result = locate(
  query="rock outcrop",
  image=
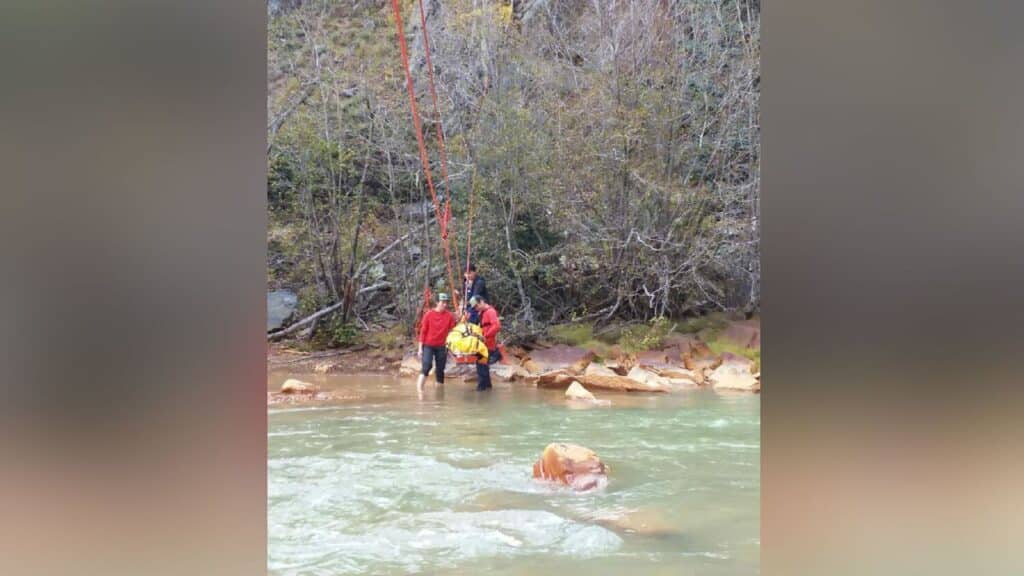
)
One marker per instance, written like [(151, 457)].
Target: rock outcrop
[(571, 465), (281, 305), (745, 333), (647, 377), (555, 379), (678, 378), (734, 373), (559, 357), (595, 369), (621, 383), (508, 372)]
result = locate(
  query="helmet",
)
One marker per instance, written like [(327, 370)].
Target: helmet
[(442, 297)]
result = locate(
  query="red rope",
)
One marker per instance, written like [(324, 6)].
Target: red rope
[(442, 221), (439, 132)]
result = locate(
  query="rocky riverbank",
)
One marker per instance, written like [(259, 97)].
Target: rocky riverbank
[(681, 362)]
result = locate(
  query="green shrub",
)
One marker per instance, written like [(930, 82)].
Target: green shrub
[(572, 334), (708, 324), (389, 339), (645, 336), (338, 334)]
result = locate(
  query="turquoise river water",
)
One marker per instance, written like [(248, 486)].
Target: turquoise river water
[(383, 481)]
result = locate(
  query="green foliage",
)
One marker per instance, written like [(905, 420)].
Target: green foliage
[(341, 334), (309, 300), (572, 334), (709, 324), (388, 339), (646, 336), (609, 172)]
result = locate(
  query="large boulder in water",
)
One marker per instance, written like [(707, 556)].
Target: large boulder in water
[(508, 372), (579, 398), (281, 305), (679, 378), (576, 391), (411, 366), (646, 377), (571, 465), (621, 383), (560, 357), (555, 379)]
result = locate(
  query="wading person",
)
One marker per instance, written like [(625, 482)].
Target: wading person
[(474, 286), (490, 325), (434, 328)]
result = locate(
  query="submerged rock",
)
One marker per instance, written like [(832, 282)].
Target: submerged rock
[(572, 465), (643, 522)]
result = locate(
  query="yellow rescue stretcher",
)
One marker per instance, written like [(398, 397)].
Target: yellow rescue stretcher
[(466, 343)]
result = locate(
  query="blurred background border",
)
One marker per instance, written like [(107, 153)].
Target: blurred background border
[(133, 154)]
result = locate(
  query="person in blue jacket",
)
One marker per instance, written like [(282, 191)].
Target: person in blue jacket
[(474, 286)]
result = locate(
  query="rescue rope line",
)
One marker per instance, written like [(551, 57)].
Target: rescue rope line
[(442, 218)]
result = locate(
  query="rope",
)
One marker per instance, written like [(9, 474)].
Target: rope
[(438, 124), (442, 219)]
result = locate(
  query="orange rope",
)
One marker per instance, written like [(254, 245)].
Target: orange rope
[(438, 124), (442, 219)]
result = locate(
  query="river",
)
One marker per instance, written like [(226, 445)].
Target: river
[(384, 481)]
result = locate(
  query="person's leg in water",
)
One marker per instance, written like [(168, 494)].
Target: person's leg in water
[(483, 376), (425, 365), (440, 359)]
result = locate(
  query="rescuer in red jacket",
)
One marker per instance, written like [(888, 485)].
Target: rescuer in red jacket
[(434, 329), (491, 325)]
